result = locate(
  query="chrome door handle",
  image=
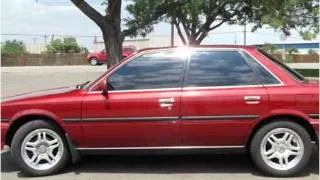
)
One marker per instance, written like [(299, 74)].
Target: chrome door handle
[(252, 99), (166, 103)]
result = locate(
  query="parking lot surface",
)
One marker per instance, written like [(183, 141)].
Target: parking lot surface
[(182, 167)]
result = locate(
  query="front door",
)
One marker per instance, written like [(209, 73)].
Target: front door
[(141, 107), (221, 99)]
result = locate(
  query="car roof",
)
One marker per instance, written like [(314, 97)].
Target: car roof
[(201, 46)]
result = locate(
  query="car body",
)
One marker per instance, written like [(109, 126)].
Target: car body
[(212, 98), (98, 58)]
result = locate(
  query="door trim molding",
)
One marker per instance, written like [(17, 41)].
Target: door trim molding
[(159, 147), (228, 117), (170, 118), (121, 119)]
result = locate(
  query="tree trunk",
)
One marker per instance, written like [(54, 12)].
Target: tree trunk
[(110, 25), (193, 41), (113, 46)]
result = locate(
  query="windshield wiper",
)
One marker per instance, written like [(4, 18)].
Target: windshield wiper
[(80, 86)]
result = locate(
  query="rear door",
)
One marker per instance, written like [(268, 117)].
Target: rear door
[(222, 97)]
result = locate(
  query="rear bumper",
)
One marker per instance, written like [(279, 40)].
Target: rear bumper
[(4, 130)]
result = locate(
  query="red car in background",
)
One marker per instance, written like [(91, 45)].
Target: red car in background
[(98, 58)]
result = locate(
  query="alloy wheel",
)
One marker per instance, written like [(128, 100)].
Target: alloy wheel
[(282, 149), (93, 62), (42, 149)]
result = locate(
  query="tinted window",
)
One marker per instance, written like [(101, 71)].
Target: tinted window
[(219, 68), (264, 76), (292, 72), (149, 71)]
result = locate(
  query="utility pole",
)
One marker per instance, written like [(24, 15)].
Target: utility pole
[(52, 37), (34, 40), (245, 32), (172, 33), (283, 37), (45, 39)]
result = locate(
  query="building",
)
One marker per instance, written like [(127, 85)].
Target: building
[(140, 42), (302, 47)]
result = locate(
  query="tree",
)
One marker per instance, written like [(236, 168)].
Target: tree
[(66, 45), (13, 47), (313, 52), (301, 15), (110, 26), (292, 51), (270, 48), (194, 19)]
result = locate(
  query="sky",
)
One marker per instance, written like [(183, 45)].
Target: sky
[(61, 17)]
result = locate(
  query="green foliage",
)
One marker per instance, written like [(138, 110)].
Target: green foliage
[(146, 13), (84, 50), (301, 15), (65, 45), (193, 19), (292, 50), (270, 48), (13, 47), (313, 52), (308, 72)]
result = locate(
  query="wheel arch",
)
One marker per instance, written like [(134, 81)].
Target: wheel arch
[(20, 121), (92, 57), (293, 118)]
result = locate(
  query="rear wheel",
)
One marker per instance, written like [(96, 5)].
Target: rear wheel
[(281, 148), (94, 61), (39, 148)]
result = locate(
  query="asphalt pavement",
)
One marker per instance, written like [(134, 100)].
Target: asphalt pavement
[(18, 80)]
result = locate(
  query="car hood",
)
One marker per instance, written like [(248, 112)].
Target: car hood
[(34, 94), (93, 54)]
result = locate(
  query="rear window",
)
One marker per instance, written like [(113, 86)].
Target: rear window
[(283, 66)]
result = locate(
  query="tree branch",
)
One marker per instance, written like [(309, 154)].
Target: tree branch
[(147, 20), (89, 11), (186, 30), (180, 32)]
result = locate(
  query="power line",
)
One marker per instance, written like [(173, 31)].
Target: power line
[(43, 35)]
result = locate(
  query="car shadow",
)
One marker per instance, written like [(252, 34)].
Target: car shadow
[(160, 164)]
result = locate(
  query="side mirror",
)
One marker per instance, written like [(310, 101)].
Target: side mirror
[(103, 86)]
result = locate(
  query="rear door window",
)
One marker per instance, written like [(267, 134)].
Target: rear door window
[(219, 68)]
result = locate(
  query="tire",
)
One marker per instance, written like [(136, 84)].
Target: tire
[(294, 152), (94, 61), (27, 144)]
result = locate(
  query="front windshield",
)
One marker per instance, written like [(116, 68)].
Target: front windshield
[(283, 66)]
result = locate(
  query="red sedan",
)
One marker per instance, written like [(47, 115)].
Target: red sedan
[(199, 99), (98, 58)]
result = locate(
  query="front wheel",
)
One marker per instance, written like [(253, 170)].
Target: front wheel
[(39, 148), (281, 148)]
